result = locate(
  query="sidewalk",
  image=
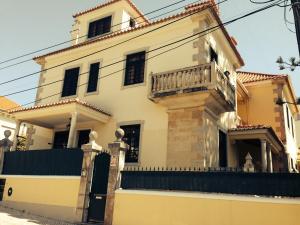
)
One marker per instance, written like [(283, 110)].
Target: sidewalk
[(10, 216)]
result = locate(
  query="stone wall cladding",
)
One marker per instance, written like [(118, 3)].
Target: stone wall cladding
[(279, 119), (186, 138)]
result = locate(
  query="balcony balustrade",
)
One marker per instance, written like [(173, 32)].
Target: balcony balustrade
[(201, 78)]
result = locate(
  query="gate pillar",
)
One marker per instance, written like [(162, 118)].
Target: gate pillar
[(90, 150), (117, 150)]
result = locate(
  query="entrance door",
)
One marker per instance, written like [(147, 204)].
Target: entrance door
[(99, 188), (83, 137), (60, 140), (222, 149)]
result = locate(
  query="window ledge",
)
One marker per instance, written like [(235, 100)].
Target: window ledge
[(133, 85)]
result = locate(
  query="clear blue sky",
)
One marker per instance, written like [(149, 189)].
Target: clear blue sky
[(33, 24)]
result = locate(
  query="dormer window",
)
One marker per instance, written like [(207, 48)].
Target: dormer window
[(99, 27), (131, 22)]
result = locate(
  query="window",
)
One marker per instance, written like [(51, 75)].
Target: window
[(131, 22), (213, 55), (70, 82), (135, 68), (99, 27), (222, 149), (132, 138), (287, 116), (93, 77)]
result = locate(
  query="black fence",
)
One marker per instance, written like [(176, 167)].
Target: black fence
[(264, 184), (58, 162)]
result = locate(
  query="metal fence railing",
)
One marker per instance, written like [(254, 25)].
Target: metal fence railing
[(55, 162), (264, 184)]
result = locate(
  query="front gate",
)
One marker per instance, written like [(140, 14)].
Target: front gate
[(99, 188)]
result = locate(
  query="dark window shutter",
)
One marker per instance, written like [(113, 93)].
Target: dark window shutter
[(132, 138), (70, 82), (93, 77), (135, 68), (99, 27)]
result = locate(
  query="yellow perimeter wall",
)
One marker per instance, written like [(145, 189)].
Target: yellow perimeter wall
[(49, 196), (174, 208)]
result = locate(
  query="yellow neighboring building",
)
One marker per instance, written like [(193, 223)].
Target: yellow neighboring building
[(7, 121), (298, 140), (261, 100)]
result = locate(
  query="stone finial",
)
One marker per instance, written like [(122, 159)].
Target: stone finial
[(92, 143), (248, 166), (119, 134)]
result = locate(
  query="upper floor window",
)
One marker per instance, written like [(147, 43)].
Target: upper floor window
[(99, 27), (70, 82), (93, 77), (135, 68), (213, 55), (132, 138)]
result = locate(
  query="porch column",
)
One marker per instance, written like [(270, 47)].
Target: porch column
[(72, 132), (15, 141), (270, 163), (263, 155)]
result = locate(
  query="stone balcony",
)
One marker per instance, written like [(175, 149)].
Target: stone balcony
[(201, 85)]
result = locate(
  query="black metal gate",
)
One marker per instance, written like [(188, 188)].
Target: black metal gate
[(99, 188)]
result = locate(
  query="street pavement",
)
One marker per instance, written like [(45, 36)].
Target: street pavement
[(10, 216)]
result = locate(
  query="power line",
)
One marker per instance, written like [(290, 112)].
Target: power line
[(204, 32), (65, 42), (112, 46)]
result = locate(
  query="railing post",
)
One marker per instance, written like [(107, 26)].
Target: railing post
[(90, 150), (5, 145), (117, 151)]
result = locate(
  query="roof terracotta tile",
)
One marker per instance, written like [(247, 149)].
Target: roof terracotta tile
[(201, 6), (250, 127), (248, 77), (62, 102), (6, 104), (110, 3)]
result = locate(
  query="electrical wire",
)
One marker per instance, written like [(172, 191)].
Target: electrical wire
[(203, 33), (65, 42), (112, 46)]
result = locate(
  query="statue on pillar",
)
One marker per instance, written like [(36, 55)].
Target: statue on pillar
[(5, 145), (248, 166)]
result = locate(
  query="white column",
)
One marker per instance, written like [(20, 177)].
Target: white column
[(263, 155), (72, 132), (18, 125), (270, 163)]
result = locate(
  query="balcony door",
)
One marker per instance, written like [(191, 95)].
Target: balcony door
[(222, 149)]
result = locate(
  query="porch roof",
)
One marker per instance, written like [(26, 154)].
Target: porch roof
[(262, 132), (57, 113)]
